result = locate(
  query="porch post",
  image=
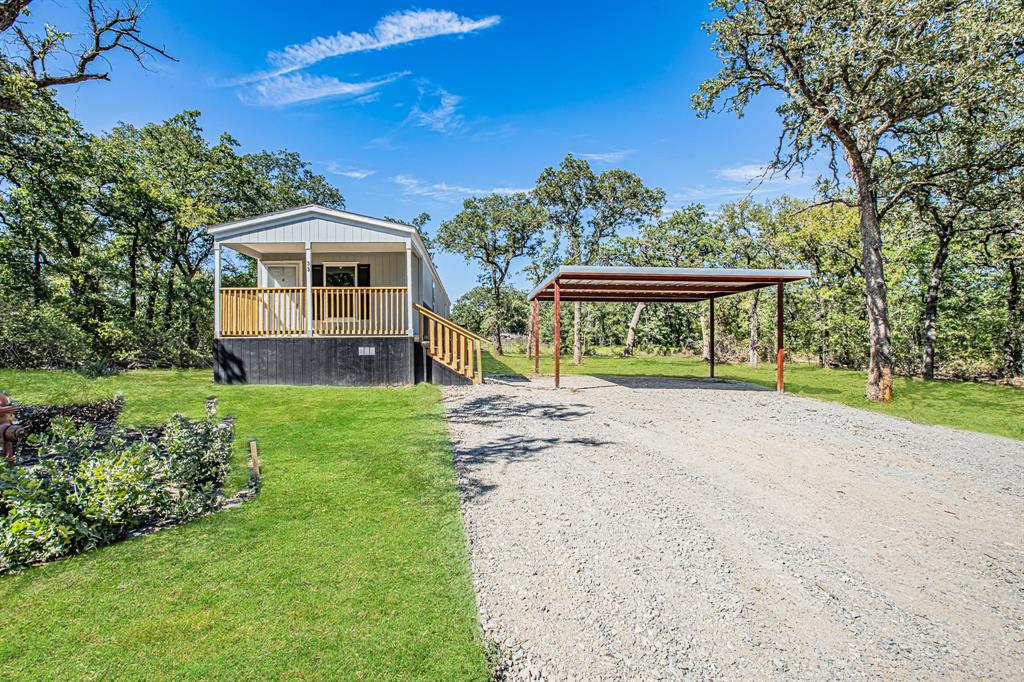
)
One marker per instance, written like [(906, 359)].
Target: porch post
[(408, 283), (780, 361), (216, 290), (309, 289), (711, 334), (558, 331)]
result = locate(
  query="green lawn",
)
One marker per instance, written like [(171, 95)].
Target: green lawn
[(974, 407), (350, 564)]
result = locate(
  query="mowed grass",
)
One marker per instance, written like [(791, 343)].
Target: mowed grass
[(351, 563), (979, 407)]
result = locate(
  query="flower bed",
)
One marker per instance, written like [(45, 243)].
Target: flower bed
[(83, 485)]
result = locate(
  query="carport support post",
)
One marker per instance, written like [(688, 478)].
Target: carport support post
[(536, 337), (780, 361), (558, 330), (711, 344)]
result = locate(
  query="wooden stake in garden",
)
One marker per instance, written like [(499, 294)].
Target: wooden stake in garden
[(254, 462)]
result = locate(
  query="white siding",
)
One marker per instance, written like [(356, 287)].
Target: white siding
[(314, 230)]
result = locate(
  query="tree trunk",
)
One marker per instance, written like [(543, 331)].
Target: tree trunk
[(824, 336), (133, 276), (498, 350), (577, 333), (705, 353), (169, 297), (880, 366), (37, 272), (631, 334), (152, 290), (931, 303), (1013, 339), (755, 328)]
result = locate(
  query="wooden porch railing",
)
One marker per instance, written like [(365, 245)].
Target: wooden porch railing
[(263, 311), (337, 311), (453, 346), (359, 310)]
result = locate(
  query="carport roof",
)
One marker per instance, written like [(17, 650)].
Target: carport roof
[(667, 285)]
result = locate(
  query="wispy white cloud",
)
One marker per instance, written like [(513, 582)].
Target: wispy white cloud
[(300, 87), (746, 172), (442, 191), (383, 143), (366, 99), (606, 157), (442, 118), (393, 29), (709, 192), (355, 173), (739, 181), (281, 84)]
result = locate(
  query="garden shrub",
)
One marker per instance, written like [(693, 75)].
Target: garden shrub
[(90, 487)]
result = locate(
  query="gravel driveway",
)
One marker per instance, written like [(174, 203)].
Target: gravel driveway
[(662, 528)]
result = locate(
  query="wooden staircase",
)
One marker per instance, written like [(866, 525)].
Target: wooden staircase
[(453, 346)]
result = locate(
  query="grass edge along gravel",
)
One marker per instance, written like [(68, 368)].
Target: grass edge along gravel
[(985, 408)]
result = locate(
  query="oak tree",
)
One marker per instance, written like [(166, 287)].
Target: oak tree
[(853, 75)]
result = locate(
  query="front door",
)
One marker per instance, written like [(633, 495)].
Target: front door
[(283, 309)]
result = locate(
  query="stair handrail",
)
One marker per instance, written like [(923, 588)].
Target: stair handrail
[(462, 356), (444, 320)]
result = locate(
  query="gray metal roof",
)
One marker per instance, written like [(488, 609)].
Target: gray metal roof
[(670, 285)]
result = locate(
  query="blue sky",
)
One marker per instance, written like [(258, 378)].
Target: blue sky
[(411, 108)]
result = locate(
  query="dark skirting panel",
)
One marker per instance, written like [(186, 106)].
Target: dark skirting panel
[(366, 361)]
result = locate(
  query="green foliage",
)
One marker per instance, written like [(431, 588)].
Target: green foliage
[(825, 316), (494, 231), (39, 335), (915, 95), (475, 309), (103, 237), (86, 491), (197, 455)]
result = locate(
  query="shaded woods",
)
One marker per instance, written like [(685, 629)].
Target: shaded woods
[(960, 320), (103, 251)]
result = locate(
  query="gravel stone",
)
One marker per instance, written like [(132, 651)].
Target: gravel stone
[(645, 528)]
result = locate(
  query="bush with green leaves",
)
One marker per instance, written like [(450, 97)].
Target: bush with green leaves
[(36, 335), (90, 488)]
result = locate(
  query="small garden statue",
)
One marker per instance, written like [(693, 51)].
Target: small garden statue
[(10, 432)]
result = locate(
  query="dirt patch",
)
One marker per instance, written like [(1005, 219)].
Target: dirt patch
[(662, 528)]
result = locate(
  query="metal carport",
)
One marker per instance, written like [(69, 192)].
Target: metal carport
[(615, 284)]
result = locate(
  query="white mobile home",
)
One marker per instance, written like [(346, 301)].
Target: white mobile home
[(340, 298)]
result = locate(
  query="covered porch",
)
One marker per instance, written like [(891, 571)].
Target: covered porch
[(319, 289)]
